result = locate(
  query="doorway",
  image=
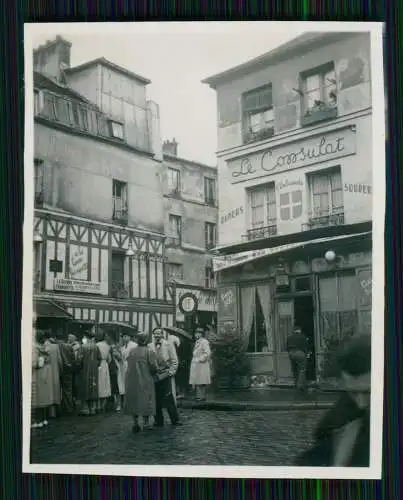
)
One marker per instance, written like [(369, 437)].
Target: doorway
[(303, 317)]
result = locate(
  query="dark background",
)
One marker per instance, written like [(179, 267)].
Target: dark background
[(15, 485)]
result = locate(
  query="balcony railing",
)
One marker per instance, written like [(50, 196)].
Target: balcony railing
[(173, 241), (120, 212), (324, 221), (260, 233)]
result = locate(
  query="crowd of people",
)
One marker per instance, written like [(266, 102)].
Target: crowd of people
[(138, 373)]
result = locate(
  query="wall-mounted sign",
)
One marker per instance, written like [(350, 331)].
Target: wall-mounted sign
[(55, 266), (188, 303), (78, 265), (309, 151), (80, 286), (233, 214)]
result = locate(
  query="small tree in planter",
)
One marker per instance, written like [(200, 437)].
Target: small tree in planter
[(231, 365)]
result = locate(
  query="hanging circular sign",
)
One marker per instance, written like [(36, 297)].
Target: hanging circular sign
[(188, 303)]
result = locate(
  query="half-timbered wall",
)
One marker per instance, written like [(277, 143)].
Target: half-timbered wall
[(76, 250)]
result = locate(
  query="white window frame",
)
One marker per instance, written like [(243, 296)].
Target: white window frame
[(260, 110), (332, 210), (266, 221), (178, 226), (320, 72), (210, 235), (210, 189), (174, 180), (121, 201)]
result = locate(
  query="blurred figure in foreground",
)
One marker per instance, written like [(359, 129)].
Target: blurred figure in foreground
[(140, 391), (342, 437)]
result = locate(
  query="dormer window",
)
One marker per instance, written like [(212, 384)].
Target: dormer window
[(117, 130)]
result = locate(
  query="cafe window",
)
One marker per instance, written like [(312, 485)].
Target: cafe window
[(326, 193), (256, 320), (258, 114), (338, 305)]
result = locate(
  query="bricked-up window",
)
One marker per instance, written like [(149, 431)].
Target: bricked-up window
[(174, 180), (319, 90), (210, 235), (118, 274), (174, 272), (258, 114), (326, 193), (119, 200), (291, 205), (175, 229), (262, 203), (39, 181), (209, 191), (210, 281)]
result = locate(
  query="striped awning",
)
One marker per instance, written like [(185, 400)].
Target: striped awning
[(46, 308)]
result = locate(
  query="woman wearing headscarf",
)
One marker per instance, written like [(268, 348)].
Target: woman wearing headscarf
[(342, 437), (139, 383), (200, 376), (42, 394)]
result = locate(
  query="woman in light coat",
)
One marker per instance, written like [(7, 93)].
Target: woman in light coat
[(200, 376), (55, 365), (104, 381)]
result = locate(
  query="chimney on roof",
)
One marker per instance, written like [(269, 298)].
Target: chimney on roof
[(170, 147), (52, 58)]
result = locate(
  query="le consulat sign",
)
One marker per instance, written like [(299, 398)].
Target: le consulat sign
[(297, 154)]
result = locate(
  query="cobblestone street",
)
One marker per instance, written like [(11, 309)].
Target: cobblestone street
[(270, 438)]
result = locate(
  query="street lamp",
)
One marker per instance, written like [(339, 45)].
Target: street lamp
[(37, 238), (330, 256)]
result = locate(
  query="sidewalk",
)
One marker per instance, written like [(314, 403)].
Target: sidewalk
[(263, 399)]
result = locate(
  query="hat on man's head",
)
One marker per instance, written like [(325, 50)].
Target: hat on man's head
[(158, 331), (142, 338)]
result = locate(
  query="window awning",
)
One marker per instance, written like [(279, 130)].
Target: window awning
[(224, 262), (46, 308)]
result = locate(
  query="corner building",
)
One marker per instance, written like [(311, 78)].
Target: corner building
[(295, 184), (99, 241)]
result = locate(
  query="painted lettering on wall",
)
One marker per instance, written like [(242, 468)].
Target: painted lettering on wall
[(285, 184), (366, 285), (231, 215), (78, 263), (358, 188), (291, 156)]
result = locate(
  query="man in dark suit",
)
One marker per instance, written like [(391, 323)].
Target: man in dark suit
[(297, 347)]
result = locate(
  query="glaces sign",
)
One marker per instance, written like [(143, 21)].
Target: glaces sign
[(293, 155)]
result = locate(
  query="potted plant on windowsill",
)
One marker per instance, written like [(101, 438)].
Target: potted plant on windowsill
[(231, 365), (320, 111)]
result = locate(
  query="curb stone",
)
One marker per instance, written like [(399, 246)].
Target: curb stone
[(269, 406)]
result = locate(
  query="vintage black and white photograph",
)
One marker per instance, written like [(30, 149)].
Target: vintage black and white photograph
[(203, 249)]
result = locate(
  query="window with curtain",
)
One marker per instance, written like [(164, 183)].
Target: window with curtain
[(256, 318), (258, 114), (262, 202), (175, 229), (319, 88), (338, 305), (209, 191), (326, 193)]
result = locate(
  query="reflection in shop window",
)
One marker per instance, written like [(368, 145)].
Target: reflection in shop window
[(338, 305)]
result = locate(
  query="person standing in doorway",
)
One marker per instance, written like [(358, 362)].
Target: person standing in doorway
[(200, 376), (167, 365), (297, 347)]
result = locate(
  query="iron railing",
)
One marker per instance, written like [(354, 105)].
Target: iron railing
[(324, 221), (260, 233)]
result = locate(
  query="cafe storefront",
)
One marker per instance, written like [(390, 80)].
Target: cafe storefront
[(324, 286)]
